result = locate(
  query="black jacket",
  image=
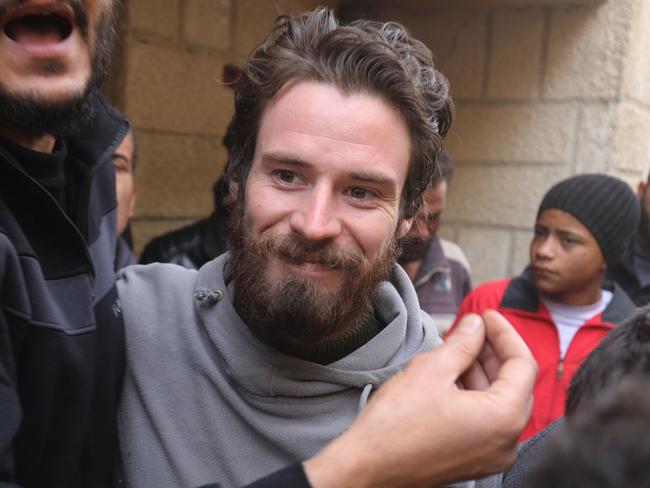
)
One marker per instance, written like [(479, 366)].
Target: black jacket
[(193, 245), (623, 273), (61, 342)]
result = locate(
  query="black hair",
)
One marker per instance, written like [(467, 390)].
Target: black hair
[(624, 351)]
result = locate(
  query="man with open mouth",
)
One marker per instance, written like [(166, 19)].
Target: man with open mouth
[(61, 331), (61, 344)]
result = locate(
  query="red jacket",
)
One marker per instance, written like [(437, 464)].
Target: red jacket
[(518, 301)]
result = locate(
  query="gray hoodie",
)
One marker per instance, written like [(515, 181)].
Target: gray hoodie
[(205, 401)]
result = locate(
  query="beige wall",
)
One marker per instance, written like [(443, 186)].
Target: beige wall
[(541, 93), (166, 81)]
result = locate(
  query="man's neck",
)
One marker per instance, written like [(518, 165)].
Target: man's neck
[(586, 296), (412, 268), (44, 143), (365, 327)]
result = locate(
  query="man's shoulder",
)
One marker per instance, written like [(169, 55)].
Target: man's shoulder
[(154, 278), (153, 296), (453, 252), (530, 454)]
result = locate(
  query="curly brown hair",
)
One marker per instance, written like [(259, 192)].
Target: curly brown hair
[(364, 56)]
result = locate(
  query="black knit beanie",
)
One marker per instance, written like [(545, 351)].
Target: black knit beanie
[(605, 205)]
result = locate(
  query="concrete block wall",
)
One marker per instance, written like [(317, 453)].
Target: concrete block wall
[(542, 93), (166, 80)]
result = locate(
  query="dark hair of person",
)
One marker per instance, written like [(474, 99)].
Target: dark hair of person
[(623, 352), (603, 447), (380, 59)]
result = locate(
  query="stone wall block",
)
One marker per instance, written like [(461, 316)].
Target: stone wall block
[(631, 148), (586, 50), (504, 196), (207, 23), (520, 250), (535, 133), (158, 17), (176, 91), (487, 252), (176, 175), (457, 39), (595, 137), (516, 55), (254, 19), (431, 6), (636, 80)]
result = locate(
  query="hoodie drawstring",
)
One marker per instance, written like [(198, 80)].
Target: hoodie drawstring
[(363, 400)]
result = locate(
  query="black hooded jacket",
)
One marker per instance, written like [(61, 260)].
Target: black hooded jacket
[(61, 333)]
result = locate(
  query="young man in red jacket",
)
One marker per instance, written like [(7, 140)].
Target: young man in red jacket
[(562, 306)]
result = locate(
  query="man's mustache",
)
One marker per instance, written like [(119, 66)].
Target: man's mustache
[(295, 250), (80, 13)]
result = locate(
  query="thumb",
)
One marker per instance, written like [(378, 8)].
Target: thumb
[(462, 348)]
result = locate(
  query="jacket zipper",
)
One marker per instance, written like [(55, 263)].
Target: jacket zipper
[(559, 374)]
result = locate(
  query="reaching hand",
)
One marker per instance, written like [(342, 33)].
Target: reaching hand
[(422, 429)]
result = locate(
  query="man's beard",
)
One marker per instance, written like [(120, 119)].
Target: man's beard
[(27, 114), (413, 249), (297, 311), (644, 225)]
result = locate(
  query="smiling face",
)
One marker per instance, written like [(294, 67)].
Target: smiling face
[(322, 205), (51, 52), (566, 262)]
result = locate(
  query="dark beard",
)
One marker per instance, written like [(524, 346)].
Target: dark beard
[(297, 311), (644, 225), (413, 249), (27, 114)]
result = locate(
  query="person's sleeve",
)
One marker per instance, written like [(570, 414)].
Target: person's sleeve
[(293, 476), (10, 411), (468, 305)]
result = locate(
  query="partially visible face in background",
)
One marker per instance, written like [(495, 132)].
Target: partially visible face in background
[(426, 223), (52, 54), (124, 181)]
